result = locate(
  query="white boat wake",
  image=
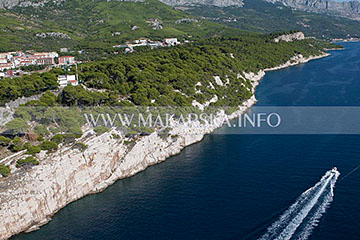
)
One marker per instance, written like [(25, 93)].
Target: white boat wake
[(299, 219)]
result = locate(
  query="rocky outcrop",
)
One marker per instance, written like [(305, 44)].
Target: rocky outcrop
[(29, 197), (59, 35), (290, 37), (350, 9), (9, 3), (26, 3)]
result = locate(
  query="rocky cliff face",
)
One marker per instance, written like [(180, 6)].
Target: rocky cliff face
[(9, 3), (350, 9), (26, 3), (29, 197), (290, 37)]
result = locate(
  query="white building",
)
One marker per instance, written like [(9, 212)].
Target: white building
[(6, 66), (64, 50), (65, 80), (171, 41), (46, 55)]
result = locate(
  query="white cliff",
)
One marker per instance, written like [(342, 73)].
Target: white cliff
[(290, 37)]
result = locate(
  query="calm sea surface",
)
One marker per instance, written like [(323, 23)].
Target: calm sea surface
[(235, 186)]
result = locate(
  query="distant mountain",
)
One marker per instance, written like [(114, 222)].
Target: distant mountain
[(350, 9), (263, 16), (220, 3)]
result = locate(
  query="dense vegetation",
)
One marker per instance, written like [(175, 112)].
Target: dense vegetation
[(265, 17), (28, 85), (95, 26), (175, 76), (172, 76)]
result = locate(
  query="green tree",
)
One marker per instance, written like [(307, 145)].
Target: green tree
[(16, 126), (4, 170), (32, 150), (48, 145), (4, 141), (41, 130), (29, 161)]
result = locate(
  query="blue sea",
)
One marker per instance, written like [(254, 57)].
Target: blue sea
[(237, 186)]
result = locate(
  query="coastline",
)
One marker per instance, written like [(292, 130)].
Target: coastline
[(69, 175)]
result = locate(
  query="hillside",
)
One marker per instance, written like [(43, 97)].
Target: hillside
[(159, 74), (266, 17), (86, 24)]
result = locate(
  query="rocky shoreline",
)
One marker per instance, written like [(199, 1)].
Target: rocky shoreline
[(28, 199)]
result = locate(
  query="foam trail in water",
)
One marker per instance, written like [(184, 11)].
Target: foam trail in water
[(309, 206)]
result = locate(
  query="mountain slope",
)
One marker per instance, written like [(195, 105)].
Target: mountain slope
[(87, 24), (262, 16), (350, 9)]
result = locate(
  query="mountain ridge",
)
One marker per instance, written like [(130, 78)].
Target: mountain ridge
[(9, 4), (349, 9), (265, 17)]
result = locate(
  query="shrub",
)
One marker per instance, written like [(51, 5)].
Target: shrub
[(4, 141), (81, 146), (40, 138), (16, 145), (27, 161), (4, 170), (48, 145), (32, 150), (127, 142), (41, 130), (75, 131), (69, 138), (116, 136), (17, 141), (58, 138), (16, 126), (131, 134), (101, 129)]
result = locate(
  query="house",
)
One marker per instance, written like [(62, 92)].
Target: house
[(45, 61), (66, 60), (155, 44), (6, 66), (129, 50), (3, 60), (26, 63), (171, 41), (64, 50), (46, 55), (65, 80), (12, 73)]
